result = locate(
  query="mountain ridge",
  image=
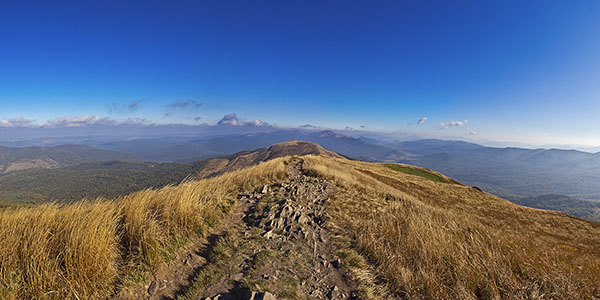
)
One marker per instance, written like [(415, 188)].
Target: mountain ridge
[(316, 226), (16, 159)]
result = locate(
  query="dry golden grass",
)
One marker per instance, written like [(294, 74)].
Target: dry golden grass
[(83, 250), (400, 235), (428, 240)]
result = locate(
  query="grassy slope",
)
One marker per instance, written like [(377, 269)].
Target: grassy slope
[(111, 179), (90, 180), (399, 234), (428, 240), (418, 172), (81, 250)]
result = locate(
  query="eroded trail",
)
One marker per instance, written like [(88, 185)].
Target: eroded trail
[(273, 246)]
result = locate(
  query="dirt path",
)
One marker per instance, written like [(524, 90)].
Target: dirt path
[(175, 278), (274, 241)]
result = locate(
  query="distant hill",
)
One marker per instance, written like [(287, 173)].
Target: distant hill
[(90, 180), (510, 171), (17, 159), (196, 149), (503, 171), (111, 179), (569, 205), (245, 159)]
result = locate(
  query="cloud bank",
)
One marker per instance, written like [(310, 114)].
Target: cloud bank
[(453, 124), (16, 122), (232, 120)]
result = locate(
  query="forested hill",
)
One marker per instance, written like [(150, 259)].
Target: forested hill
[(16, 159)]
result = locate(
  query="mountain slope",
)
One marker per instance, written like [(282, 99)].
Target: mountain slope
[(111, 179), (315, 226), (510, 172), (245, 159), (16, 159), (569, 205), (435, 240), (108, 179), (195, 149), (503, 171)]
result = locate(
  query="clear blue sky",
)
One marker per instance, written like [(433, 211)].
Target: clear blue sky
[(516, 70)]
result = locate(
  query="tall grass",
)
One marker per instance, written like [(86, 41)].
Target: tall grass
[(430, 240), (402, 236), (83, 250)]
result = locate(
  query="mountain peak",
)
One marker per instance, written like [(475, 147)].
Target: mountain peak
[(297, 147), (244, 159), (329, 133)]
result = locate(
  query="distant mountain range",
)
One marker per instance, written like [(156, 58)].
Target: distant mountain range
[(17, 159), (512, 173), (188, 149), (503, 171), (111, 179), (569, 205)]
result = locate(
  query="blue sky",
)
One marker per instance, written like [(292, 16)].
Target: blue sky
[(524, 71)]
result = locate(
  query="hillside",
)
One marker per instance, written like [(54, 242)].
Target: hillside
[(17, 159), (316, 226), (505, 172), (510, 172), (571, 206), (111, 179), (107, 179), (196, 149), (244, 159)]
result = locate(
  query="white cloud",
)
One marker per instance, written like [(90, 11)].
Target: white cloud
[(81, 121), (422, 120), (17, 122), (453, 124), (257, 123), (90, 120), (232, 120), (133, 121)]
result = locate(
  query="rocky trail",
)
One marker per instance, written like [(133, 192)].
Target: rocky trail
[(274, 245)]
